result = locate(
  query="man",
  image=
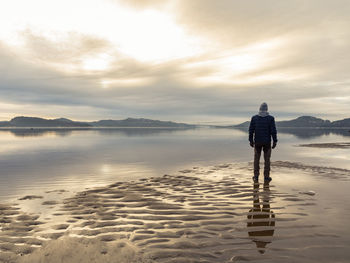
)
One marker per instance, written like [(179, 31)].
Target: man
[(262, 128)]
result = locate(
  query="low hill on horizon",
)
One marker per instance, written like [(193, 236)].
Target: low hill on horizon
[(138, 122), (303, 122), (31, 122), (23, 121)]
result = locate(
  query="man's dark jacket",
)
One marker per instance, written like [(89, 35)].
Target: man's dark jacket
[(262, 128)]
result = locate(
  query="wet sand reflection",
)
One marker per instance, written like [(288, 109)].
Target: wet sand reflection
[(261, 220)]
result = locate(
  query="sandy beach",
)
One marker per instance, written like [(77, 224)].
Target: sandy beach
[(200, 214)]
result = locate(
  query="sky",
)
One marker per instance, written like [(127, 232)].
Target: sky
[(195, 61)]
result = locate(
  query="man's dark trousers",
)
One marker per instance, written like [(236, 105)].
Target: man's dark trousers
[(266, 147)]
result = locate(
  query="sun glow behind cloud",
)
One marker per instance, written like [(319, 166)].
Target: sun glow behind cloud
[(145, 35), (126, 82), (152, 36), (97, 62), (234, 66)]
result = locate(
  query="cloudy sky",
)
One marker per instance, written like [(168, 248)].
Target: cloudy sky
[(198, 61)]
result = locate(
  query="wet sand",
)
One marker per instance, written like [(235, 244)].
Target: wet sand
[(202, 214)]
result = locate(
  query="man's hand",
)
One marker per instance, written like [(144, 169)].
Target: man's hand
[(274, 145), (252, 144)]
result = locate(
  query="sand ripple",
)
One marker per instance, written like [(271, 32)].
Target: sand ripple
[(185, 217)]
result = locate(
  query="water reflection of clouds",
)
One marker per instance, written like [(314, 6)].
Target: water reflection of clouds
[(310, 133), (61, 132), (49, 157), (324, 153), (301, 133)]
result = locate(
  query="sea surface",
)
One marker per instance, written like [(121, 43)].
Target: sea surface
[(37, 160)]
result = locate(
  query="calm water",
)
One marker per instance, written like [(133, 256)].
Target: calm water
[(38, 160)]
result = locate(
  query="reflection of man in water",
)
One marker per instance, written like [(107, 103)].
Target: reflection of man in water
[(261, 221), (262, 128)]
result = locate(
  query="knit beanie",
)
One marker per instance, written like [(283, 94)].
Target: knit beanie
[(263, 111)]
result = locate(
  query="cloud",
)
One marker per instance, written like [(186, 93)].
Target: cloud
[(292, 54), (240, 22), (169, 95), (140, 4), (67, 48), (315, 32), (67, 51)]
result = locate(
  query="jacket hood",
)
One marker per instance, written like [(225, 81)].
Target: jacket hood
[(263, 110)]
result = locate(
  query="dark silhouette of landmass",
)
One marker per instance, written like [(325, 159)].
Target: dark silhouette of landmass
[(305, 127), (32, 122), (35, 122), (303, 122), (140, 122), (41, 122)]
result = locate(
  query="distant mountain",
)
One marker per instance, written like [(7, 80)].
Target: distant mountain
[(30, 122), (140, 122), (242, 125), (40, 122), (5, 124), (341, 123), (303, 122)]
